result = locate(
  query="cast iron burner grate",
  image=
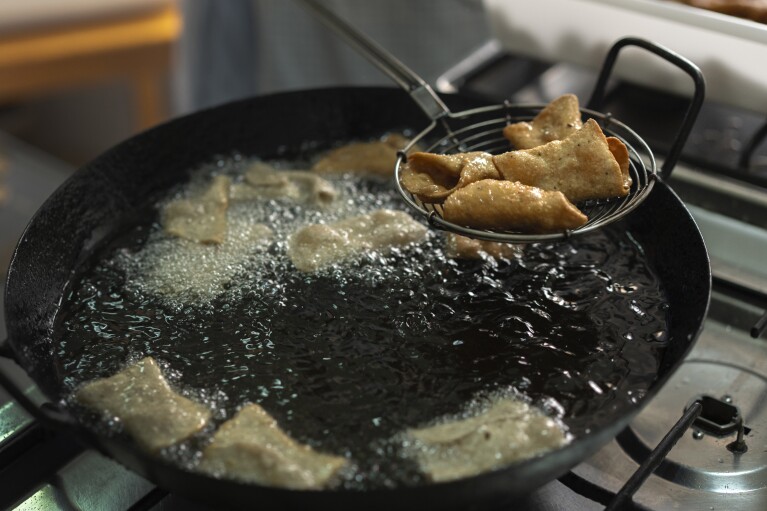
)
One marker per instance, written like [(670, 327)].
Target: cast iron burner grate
[(724, 386)]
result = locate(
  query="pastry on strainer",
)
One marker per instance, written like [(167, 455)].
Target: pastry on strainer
[(511, 206), (585, 165), (559, 119), (432, 177)]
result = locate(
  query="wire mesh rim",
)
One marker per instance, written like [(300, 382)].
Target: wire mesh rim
[(642, 168)]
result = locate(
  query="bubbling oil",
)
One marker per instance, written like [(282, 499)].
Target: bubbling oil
[(350, 356)]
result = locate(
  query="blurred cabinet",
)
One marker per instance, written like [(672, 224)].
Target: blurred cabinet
[(133, 45)]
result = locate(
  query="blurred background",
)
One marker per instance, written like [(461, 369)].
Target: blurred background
[(77, 77)]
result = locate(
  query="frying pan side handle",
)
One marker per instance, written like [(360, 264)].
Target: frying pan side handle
[(598, 95), (45, 412)]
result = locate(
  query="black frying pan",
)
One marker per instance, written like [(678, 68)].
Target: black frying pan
[(93, 202)]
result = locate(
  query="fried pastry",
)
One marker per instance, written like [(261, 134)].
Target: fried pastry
[(151, 412), (582, 166), (377, 158), (511, 206), (319, 245), (462, 247), (432, 177), (251, 447), (559, 119), (621, 154), (509, 430), (201, 218), (262, 181), (585, 165)]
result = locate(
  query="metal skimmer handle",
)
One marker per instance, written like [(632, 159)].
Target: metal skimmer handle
[(416, 86)]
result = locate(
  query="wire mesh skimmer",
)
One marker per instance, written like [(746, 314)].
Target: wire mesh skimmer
[(480, 129)]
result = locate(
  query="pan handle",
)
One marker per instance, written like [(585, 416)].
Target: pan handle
[(45, 412), (598, 95)]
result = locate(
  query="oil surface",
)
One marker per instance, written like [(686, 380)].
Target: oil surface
[(347, 358)]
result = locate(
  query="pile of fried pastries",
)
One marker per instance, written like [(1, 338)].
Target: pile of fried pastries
[(559, 161)]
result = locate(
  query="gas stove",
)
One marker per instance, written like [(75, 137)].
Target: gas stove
[(711, 416), (719, 460)]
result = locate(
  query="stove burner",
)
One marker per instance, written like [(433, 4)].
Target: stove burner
[(703, 461), (718, 417), (727, 376)]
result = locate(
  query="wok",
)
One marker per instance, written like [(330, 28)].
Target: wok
[(98, 198)]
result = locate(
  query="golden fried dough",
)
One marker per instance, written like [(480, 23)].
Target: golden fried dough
[(558, 120), (462, 247), (580, 166), (509, 430), (262, 181), (151, 412), (201, 218), (561, 154), (319, 245), (511, 206), (378, 158), (432, 177), (621, 154), (251, 447)]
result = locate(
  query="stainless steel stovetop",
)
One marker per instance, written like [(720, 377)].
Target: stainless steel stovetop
[(48, 471), (727, 195)]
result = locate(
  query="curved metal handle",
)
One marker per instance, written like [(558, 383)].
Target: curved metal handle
[(598, 95), (45, 412), (416, 86), (748, 152)]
